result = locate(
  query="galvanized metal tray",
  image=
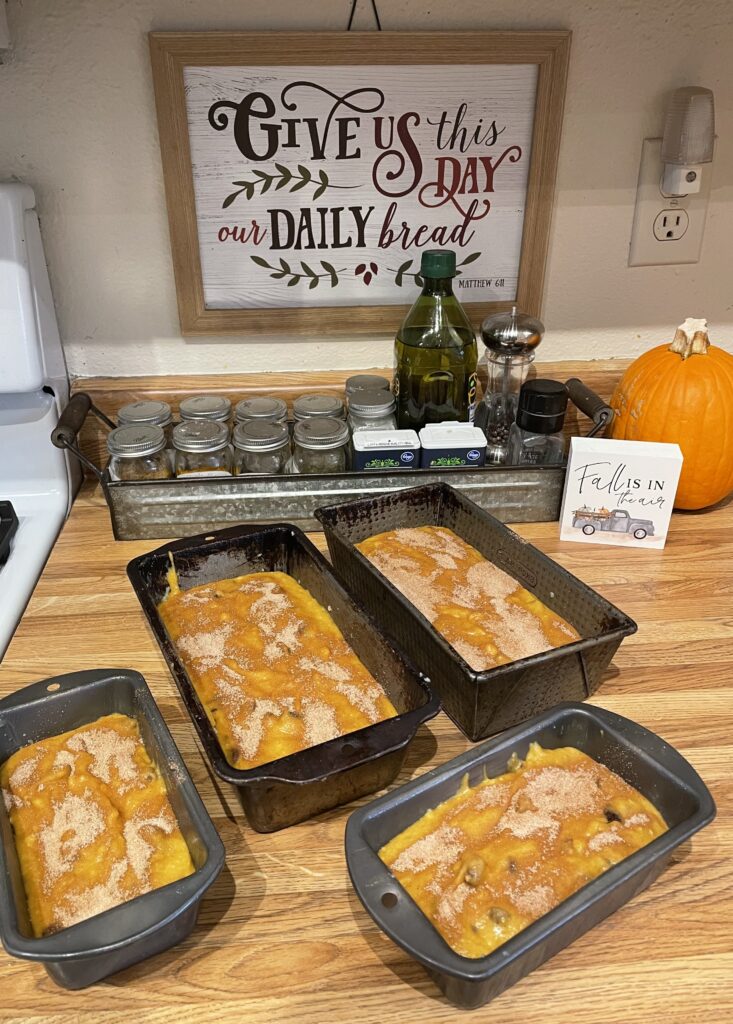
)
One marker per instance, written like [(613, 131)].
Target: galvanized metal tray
[(160, 509)]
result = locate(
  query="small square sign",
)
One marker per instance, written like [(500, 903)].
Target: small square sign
[(619, 492)]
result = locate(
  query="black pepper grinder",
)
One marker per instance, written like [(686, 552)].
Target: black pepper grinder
[(510, 339)]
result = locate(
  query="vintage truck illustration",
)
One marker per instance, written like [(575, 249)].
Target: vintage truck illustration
[(617, 520)]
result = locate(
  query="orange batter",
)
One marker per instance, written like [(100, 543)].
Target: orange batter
[(492, 859), (92, 823), (483, 613), (270, 666)]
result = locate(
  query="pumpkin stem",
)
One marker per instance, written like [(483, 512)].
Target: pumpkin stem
[(691, 338)]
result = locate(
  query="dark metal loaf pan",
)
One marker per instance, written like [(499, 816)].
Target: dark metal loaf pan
[(89, 951), (480, 703), (291, 789), (637, 755)]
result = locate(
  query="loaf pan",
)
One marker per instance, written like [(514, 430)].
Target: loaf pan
[(637, 755), (102, 945), (293, 788), (480, 703)]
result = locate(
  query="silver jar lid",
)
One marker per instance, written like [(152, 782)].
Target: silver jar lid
[(512, 333), (308, 406), (261, 408), (260, 436), (145, 412), (365, 382), (200, 436), (372, 404), (135, 440), (321, 433), (206, 407)]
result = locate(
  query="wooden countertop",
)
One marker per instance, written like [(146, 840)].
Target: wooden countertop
[(281, 936)]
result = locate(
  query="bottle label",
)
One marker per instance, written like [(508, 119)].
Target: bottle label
[(472, 387)]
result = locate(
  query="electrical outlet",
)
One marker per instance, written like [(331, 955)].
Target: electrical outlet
[(666, 229), (670, 225)]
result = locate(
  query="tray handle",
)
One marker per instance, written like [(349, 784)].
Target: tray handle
[(71, 420), (591, 404)]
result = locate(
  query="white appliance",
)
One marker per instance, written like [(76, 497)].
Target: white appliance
[(38, 479)]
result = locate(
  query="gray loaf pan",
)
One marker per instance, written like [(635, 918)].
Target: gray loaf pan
[(640, 757), (85, 953)]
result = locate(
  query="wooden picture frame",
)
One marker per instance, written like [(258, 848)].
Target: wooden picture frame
[(173, 52)]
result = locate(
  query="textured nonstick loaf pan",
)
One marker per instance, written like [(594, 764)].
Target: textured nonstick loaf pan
[(106, 943), (480, 703), (637, 755), (293, 788)]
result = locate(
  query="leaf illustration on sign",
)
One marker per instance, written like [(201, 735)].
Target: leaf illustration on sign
[(283, 178), (306, 272)]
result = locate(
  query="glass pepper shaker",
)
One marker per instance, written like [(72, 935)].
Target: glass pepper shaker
[(510, 340)]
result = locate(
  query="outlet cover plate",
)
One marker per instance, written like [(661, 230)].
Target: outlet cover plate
[(649, 250)]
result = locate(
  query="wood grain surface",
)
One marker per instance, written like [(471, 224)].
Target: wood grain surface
[(282, 938)]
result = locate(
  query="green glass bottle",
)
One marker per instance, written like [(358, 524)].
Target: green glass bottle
[(435, 351)]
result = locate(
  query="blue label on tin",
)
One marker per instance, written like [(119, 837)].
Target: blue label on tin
[(407, 457), (473, 455)]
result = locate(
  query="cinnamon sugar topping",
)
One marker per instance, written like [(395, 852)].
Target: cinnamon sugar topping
[(109, 751), (94, 815), (488, 861), (76, 823), (276, 674), (485, 614), (441, 847)]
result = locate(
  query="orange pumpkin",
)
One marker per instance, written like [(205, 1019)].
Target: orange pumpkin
[(683, 393)]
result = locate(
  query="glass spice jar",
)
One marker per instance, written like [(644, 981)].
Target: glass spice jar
[(202, 449), (313, 406), (261, 407), (321, 446), (206, 407), (137, 452), (372, 410), (365, 382), (156, 413), (260, 446)]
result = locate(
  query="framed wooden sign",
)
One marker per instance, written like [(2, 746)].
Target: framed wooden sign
[(305, 173)]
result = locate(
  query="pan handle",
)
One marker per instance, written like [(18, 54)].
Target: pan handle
[(71, 420), (49, 687), (591, 404)]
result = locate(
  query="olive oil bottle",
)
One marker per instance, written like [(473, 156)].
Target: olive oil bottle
[(435, 351)]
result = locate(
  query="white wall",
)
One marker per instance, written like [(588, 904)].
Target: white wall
[(77, 122)]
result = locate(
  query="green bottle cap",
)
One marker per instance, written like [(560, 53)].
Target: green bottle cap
[(438, 263)]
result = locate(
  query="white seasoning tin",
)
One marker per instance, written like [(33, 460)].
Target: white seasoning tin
[(453, 444)]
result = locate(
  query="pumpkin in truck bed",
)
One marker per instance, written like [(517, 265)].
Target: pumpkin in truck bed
[(683, 394)]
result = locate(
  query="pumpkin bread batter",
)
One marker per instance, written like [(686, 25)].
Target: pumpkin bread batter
[(92, 823), (483, 613), (495, 857), (270, 666)]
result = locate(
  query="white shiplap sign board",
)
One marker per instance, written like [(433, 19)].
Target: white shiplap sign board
[(335, 178)]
